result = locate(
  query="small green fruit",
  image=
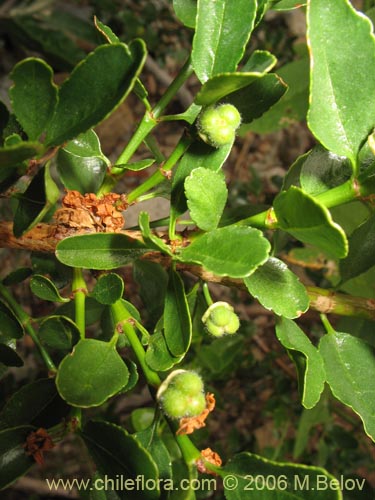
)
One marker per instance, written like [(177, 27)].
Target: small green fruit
[(217, 125), (174, 403), (220, 319), (187, 382), (196, 405)]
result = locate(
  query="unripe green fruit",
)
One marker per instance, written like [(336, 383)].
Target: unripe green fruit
[(217, 125), (196, 404), (220, 319), (174, 403), (188, 382)]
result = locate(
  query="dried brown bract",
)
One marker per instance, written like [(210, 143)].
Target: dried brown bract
[(189, 424), (37, 442)]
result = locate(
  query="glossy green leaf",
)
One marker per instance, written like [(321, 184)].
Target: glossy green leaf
[(223, 84), (91, 374), (290, 481), (222, 356), (292, 106), (257, 98), (229, 251), (152, 280), (33, 95), (15, 154), (260, 61), (158, 357), (278, 289), (152, 442), (58, 333), (133, 376), (39, 197), (106, 32), (198, 155), (96, 87), (30, 404), (287, 4), (361, 254), (309, 362), (133, 167), (311, 223), (99, 251), (13, 459), (342, 111), (108, 289), (150, 239), (221, 34), (177, 321), (119, 454), (10, 327), (45, 289), (9, 356), (206, 194), (186, 11), (81, 163), (350, 368)]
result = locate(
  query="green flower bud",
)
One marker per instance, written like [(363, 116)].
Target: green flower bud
[(181, 394), (220, 319), (217, 125)]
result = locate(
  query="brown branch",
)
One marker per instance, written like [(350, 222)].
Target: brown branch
[(42, 238)]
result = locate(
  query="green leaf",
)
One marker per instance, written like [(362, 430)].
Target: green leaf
[(287, 4), (133, 376), (152, 280), (278, 289), (342, 111), (13, 459), (158, 357), (10, 327), (150, 239), (361, 251), (292, 106), (222, 356), (350, 368), (99, 251), (222, 32), (15, 154), (91, 374), (33, 95), (177, 321), (133, 167), (58, 333), (260, 61), (30, 404), (96, 87), (311, 223), (9, 356), (118, 454), (247, 476), (108, 289), (45, 289), (206, 194), (228, 251), (40, 196), (81, 163), (17, 276), (186, 11), (152, 442), (198, 155), (309, 363)]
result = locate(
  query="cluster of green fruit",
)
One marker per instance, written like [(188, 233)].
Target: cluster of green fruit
[(220, 319), (217, 125)]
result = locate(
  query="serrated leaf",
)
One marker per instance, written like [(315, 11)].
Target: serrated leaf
[(119, 454), (278, 289), (30, 403), (206, 194), (45, 289), (342, 111), (10, 326), (221, 34), (311, 223), (81, 163), (350, 368), (108, 289), (292, 481), (33, 95), (99, 251), (152, 442), (150, 239), (91, 374), (361, 251), (96, 87), (13, 459), (58, 333), (39, 197), (228, 251), (13, 155), (311, 373), (177, 321)]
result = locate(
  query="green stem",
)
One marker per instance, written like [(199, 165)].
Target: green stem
[(189, 451), (79, 291), (327, 325), (207, 295), (25, 320), (123, 320)]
